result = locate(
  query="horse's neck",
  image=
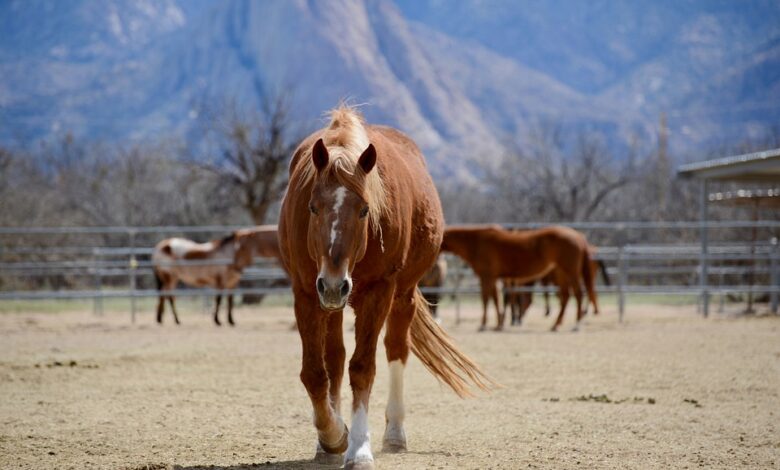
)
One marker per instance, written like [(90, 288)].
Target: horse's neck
[(462, 246)]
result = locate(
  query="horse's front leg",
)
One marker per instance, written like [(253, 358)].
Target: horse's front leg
[(230, 310), (312, 326), (216, 309), (334, 366), (371, 309)]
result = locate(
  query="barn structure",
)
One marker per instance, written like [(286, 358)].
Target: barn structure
[(758, 167)]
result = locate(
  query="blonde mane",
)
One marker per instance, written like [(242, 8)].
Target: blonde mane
[(346, 139)]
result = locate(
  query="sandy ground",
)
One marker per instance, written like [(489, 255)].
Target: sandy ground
[(197, 396)]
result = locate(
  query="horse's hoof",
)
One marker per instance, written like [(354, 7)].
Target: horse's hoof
[(481, 329), (359, 465), (324, 458), (575, 329), (554, 329), (232, 324), (339, 448), (498, 328), (393, 446)]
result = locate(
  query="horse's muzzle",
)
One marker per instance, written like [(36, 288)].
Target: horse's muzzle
[(333, 293)]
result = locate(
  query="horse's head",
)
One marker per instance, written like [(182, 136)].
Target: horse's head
[(338, 223)]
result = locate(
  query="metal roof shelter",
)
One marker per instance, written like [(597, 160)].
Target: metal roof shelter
[(751, 167), (756, 167)]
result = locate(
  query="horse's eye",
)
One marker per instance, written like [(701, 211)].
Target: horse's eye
[(312, 209), (363, 212)]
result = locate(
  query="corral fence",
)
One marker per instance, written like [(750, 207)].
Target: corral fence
[(738, 260)]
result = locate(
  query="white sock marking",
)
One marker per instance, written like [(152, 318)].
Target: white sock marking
[(359, 448), (395, 403)]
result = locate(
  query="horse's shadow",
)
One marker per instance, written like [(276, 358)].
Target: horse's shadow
[(285, 465)]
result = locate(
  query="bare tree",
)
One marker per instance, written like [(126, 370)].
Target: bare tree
[(548, 180), (253, 149)]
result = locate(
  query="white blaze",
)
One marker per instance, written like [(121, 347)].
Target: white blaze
[(340, 193)]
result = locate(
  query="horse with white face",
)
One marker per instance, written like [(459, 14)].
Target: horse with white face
[(360, 224)]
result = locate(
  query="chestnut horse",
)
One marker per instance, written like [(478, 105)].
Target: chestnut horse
[(494, 253), (217, 264), (360, 223), (434, 277), (520, 302)]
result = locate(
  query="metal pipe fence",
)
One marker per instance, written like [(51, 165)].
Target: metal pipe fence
[(33, 259)]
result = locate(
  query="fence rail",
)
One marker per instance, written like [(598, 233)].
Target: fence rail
[(744, 262)]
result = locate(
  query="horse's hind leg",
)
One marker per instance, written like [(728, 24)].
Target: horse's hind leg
[(578, 297), (160, 308), (230, 309), (173, 309), (487, 291), (397, 350), (216, 310), (563, 297), (499, 312)]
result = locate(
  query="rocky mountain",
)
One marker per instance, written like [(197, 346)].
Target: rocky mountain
[(461, 76)]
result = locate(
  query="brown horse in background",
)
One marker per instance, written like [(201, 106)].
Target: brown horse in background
[(494, 253), (520, 302), (434, 277), (360, 223), (217, 264)]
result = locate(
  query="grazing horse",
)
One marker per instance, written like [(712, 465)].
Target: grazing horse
[(494, 253), (434, 277), (360, 223), (217, 264), (520, 302)]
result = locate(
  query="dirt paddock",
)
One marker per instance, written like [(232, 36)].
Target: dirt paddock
[(664, 389)]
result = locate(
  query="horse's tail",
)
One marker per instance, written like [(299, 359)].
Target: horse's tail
[(439, 354), (587, 277), (604, 273)]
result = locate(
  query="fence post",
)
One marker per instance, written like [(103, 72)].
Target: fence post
[(774, 275), (621, 282), (98, 300), (132, 270)]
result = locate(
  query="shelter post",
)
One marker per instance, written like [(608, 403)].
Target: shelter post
[(703, 276), (775, 275)]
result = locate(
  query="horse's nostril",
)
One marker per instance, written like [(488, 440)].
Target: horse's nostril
[(320, 286), (344, 288)]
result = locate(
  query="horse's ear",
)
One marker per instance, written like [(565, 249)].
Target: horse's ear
[(319, 155), (368, 159)]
